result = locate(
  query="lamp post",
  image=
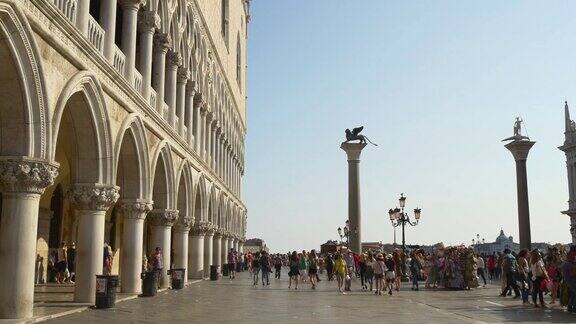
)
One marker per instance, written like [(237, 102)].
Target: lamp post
[(346, 233), (399, 218)]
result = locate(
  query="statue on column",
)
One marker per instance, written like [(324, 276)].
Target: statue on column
[(517, 132), (355, 135)]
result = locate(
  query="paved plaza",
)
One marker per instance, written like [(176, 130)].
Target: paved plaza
[(240, 302)]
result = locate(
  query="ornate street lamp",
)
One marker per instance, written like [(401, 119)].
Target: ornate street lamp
[(345, 234), (399, 218)]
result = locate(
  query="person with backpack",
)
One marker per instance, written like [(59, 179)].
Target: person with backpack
[(510, 269), (277, 266), (265, 265)]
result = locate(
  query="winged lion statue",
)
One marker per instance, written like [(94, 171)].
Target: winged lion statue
[(355, 135)]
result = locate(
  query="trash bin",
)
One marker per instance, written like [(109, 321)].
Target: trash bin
[(226, 269), (149, 283), (177, 277), (106, 291), (214, 269)]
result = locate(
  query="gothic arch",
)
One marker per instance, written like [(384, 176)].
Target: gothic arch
[(162, 177), (200, 197), (131, 147), (91, 127), (24, 120), (185, 193)]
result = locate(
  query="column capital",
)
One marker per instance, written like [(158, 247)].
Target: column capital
[(148, 21), (131, 4), (135, 209), (218, 233), (520, 149), (191, 88), (163, 217), (201, 228), (22, 174), (162, 42), (173, 58), (93, 196), (184, 223), (183, 75), (353, 150)]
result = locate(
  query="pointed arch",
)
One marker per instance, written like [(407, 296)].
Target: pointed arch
[(200, 200), (162, 177), (131, 150), (185, 193), (24, 119), (91, 126)]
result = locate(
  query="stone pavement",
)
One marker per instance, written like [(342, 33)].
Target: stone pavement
[(239, 301)]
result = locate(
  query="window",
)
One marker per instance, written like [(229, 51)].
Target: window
[(224, 23), (238, 63)]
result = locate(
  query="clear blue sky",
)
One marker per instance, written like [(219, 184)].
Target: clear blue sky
[(437, 84)]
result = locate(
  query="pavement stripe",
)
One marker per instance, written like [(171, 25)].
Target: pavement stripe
[(493, 303)]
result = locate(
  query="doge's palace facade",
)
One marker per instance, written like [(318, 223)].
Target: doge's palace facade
[(121, 122)]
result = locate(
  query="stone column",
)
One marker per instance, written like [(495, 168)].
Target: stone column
[(208, 132), (22, 181), (353, 151), (182, 78), (108, 23), (90, 201), (129, 24), (520, 149), (196, 250), (148, 22), (132, 241), (197, 127), (162, 43), (224, 249), (241, 245), (161, 221), (82, 16), (181, 231), (208, 250), (173, 61), (217, 151), (201, 137), (217, 248), (189, 112)]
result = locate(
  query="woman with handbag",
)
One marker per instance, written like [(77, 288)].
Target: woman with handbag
[(539, 277)]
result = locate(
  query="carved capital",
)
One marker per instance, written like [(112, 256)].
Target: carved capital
[(191, 88), (135, 209), (202, 228), (148, 21), (218, 233), (162, 42), (183, 75), (174, 58), (184, 223), (93, 196), (131, 4), (26, 175), (163, 217)]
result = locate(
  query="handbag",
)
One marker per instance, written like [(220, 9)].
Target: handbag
[(545, 284)]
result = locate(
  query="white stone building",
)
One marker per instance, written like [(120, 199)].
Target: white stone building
[(121, 121), (502, 242)]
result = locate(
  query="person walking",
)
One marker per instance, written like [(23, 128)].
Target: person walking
[(255, 267), (232, 259), (312, 268), (362, 270), (277, 266), (523, 275), (62, 264), (157, 262), (266, 267), (480, 268), (303, 266), (539, 274), (379, 268), (491, 264), (294, 272), (71, 254), (349, 259), (510, 269), (341, 271), (390, 273), (369, 274), (569, 274), (330, 267), (415, 268)]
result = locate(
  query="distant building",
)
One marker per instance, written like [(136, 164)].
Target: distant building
[(329, 247), (502, 242), (255, 245)]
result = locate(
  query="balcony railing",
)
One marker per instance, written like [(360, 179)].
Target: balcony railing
[(96, 34), (68, 8), (119, 60), (137, 81)]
